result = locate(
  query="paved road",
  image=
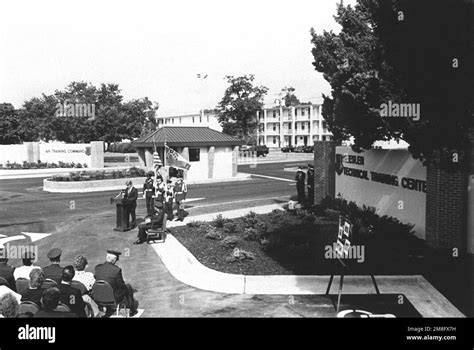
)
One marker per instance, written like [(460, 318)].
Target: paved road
[(22, 201)]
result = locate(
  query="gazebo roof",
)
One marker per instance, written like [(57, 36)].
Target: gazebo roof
[(186, 136)]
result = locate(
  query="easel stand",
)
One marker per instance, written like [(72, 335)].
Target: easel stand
[(341, 282)]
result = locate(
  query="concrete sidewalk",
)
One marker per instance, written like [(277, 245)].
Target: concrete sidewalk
[(187, 269)]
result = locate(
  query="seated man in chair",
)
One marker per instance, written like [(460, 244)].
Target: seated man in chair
[(155, 221), (112, 274)]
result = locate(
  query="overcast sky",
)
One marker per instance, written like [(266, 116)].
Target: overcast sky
[(156, 48)]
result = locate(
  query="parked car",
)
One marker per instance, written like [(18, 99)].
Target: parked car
[(288, 149), (299, 149), (309, 149), (261, 150), (245, 148)]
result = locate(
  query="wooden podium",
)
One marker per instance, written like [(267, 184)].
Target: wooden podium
[(122, 223)]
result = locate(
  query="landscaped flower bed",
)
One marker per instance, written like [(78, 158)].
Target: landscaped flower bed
[(100, 175), (301, 242)]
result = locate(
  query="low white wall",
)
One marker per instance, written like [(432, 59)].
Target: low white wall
[(65, 152), (90, 186), (389, 180), (13, 153)]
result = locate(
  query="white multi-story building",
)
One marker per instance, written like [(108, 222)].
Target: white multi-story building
[(205, 118), (291, 126)]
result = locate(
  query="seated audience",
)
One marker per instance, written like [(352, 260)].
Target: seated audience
[(6, 271), (54, 271), (50, 301), (9, 306), (86, 278), (24, 271), (71, 296), (112, 274), (35, 290)]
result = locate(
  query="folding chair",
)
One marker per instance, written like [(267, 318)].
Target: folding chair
[(62, 308), (48, 283), (103, 295), (4, 282), (22, 284), (154, 234), (80, 286), (28, 307)]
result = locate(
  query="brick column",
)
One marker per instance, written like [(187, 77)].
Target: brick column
[(210, 162), (324, 170)]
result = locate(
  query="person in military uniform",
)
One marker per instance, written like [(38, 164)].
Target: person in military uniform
[(180, 191), (154, 221), (7, 271), (54, 271), (148, 193), (159, 192), (112, 274), (300, 177), (168, 200), (310, 184), (130, 199)]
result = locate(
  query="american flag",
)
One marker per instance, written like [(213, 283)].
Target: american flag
[(175, 160), (156, 161)]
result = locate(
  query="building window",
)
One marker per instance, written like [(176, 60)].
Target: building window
[(194, 154), (302, 112), (274, 140), (200, 119), (289, 113), (289, 126), (208, 119), (296, 112), (180, 120), (296, 127), (274, 114), (172, 121), (193, 120), (302, 126), (324, 125), (274, 127)]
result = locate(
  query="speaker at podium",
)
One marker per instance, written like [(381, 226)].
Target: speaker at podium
[(122, 221)]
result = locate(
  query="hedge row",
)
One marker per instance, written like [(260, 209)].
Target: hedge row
[(40, 165), (100, 175), (121, 147)]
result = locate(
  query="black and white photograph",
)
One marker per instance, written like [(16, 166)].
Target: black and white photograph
[(237, 160)]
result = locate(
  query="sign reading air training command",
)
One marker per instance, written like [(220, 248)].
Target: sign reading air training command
[(363, 174)]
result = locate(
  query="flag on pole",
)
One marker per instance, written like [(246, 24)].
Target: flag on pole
[(157, 164), (175, 160)]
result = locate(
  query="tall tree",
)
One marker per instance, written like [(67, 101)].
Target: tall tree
[(417, 52), (9, 124), (290, 97), (238, 108)]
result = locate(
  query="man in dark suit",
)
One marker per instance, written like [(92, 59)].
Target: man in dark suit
[(6, 271), (112, 274), (50, 301), (70, 296), (155, 221), (54, 271), (130, 199)]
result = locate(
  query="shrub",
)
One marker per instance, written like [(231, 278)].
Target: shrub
[(229, 227), (219, 221), (121, 147), (196, 223), (230, 241), (250, 234)]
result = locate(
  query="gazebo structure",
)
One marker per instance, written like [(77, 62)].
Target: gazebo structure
[(211, 154)]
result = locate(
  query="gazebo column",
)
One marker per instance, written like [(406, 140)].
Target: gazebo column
[(141, 156), (149, 158), (210, 162)]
